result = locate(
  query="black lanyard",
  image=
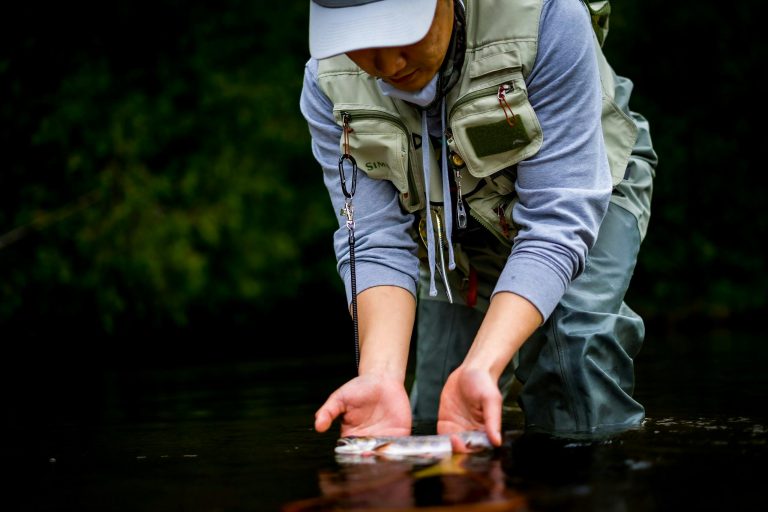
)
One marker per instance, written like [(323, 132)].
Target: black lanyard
[(348, 212)]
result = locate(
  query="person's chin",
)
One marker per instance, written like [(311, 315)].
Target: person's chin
[(411, 82)]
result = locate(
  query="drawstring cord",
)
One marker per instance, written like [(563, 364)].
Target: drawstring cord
[(348, 212), (426, 151), (426, 160), (446, 191)]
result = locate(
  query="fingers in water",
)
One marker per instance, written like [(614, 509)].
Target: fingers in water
[(329, 411), (457, 445)]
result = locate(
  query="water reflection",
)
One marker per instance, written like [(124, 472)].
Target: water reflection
[(469, 481), (668, 463)]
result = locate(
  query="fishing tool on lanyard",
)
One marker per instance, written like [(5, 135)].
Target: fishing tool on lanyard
[(348, 212)]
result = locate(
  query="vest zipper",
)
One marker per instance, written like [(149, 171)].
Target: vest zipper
[(457, 164), (490, 228), (507, 87)]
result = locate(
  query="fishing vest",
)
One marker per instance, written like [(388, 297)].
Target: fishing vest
[(492, 125)]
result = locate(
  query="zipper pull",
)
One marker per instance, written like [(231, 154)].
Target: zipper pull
[(503, 220), (346, 156), (502, 96), (461, 213)]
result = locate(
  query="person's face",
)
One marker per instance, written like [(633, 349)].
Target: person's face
[(411, 67)]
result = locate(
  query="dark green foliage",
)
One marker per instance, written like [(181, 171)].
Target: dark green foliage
[(695, 68), (156, 170), (160, 165)]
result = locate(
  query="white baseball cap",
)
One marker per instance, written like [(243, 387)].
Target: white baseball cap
[(340, 26)]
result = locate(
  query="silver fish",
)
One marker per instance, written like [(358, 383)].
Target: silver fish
[(411, 446)]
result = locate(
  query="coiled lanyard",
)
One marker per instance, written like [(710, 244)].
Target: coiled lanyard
[(348, 212)]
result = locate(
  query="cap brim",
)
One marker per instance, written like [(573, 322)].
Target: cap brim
[(333, 31)]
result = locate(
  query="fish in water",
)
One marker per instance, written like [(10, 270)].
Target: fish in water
[(412, 446)]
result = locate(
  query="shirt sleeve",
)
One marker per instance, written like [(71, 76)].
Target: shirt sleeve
[(385, 251), (564, 189)]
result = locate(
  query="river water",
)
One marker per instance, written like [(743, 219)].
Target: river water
[(135, 433)]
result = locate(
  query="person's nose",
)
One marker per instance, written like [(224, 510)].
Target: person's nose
[(389, 61)]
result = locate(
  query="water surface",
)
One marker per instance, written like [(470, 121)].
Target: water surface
[(237, 436)]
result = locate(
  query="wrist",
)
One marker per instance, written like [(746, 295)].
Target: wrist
[(386, 325), (383, 370), (510, 320), (491, 363), (383, 361)]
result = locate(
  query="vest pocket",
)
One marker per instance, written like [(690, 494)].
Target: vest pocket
[(494, 212), (380, 143), (495, 127)]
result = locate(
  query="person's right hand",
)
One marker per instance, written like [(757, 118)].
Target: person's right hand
[(375, 405), (470, 400)]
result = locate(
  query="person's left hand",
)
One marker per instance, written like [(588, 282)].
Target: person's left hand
[(470, 400)]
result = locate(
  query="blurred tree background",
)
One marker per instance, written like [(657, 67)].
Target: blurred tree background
[(156, 173)]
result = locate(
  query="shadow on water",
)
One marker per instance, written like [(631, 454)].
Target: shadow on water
[(229, 436)]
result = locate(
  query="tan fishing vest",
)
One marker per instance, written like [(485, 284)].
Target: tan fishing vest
[(484, 139)]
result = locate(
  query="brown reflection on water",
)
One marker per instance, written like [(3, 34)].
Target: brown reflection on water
[(669, 463), (467, 482)]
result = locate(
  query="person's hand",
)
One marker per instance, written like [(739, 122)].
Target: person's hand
[(470, 400), (368, 405)]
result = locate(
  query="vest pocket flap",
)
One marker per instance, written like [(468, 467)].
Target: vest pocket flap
[(501, 62), (494, 128), (379, 143)]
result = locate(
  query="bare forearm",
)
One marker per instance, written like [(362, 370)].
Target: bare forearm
[(386, 316), (510, 320)]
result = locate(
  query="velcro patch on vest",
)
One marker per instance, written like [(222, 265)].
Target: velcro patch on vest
[(498, 137)]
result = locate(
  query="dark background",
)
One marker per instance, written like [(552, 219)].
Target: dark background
[(157, 185)]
